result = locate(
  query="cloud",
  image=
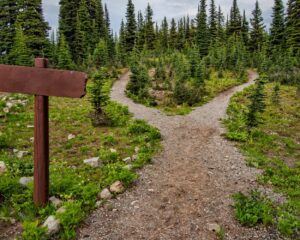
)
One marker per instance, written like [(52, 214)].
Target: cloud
[(161, 8)]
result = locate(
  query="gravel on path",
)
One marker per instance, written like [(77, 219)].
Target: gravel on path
[(189, 185)]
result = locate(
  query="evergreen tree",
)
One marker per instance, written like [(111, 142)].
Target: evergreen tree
[(173, 35), (34, 26), (131, 27), (165, 34), (149, 28), (67, 22), (101, 54), (140, 39), (293, 25), (8, 15), (245, 30), (257, 29), (181, 35), (277, 32), (20, 54), (122, 44), (99, 97), (213, 22), (64, 58), (220, 25), (257, 105), (111, 47), (235, 22), (202, 29)]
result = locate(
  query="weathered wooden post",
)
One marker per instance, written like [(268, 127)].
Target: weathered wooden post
[(41, 144), (42, 82)]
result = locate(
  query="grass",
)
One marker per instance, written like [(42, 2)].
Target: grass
[(214, 86), (70, 180), (274, 147)]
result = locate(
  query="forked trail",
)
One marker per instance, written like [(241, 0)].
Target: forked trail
[(189, 184)]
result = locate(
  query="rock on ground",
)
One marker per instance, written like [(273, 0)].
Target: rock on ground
[(52, 224), (24, 181), (117, 187), (93, 162), (2, 167)]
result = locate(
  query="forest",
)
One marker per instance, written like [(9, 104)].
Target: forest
[(175, 66)]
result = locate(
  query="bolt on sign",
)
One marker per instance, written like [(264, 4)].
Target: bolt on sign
[(42, 82)]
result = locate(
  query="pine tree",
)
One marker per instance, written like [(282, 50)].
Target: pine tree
[(165, 34), (277, 32), (149, 29), (257, 29), (101, 54), (64, 58), (67, 22), (213, 22), (245, 30), (202, 29), (220, 25), (8, 15), (131, 27), (34, 26), (235, 22), (257, 105), (181, 35), (111, 47), (173, 35), (122, 44), (20, 54), (293, 25), (140, 39)]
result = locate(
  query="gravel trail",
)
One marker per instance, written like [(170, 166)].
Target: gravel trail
[(189, 184)]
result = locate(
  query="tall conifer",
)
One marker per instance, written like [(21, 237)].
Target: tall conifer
[(277, 32), (257, 29), (202, 29), (131, 27)]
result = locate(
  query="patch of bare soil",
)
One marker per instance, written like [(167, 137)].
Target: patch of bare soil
[(188, 186)]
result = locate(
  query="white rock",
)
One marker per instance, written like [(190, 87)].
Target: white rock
[(30, 126), (214, 227), (134, 157), (24, 181), (93, 162), (9, 104), (56, 201), (32, 139), (99, 203), (128, 167), (136, 149), (15, 150), (128, 159), (22, 154), (105, 194), (113, 150), (2, 167), (71, 136), (6, 110), (117, 187), (52, 224), (61, 210)]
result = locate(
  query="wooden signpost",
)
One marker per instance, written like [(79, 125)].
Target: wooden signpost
[(42, 83)]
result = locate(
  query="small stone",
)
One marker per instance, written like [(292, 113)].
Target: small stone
[(127, 160), (22, 154), (30, 126), (55, 201), (32, 139), (150, 190), (93, 162), (6, 110), (9, 104), (214, 227), (128, 167), (52, 224), (134, 157), (2, 167), (99, 204), (71, 136), (15, 150), (61, 210), (24, 181), (113, 150), (117, 187), (136, 149), (105, 194)]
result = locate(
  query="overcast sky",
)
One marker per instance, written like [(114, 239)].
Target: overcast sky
[(169, 8)]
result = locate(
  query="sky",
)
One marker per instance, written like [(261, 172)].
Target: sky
[(161, 8)]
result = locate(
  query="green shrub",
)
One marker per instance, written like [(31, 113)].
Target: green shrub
[(107, 156), (253, 209), (117, 114), (32, 231), (140, 127)]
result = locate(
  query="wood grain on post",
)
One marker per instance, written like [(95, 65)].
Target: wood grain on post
[(41, 145)]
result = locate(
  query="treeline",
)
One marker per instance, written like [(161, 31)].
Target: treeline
[(84, 37)]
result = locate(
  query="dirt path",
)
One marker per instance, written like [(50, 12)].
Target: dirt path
[(189, 185)]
